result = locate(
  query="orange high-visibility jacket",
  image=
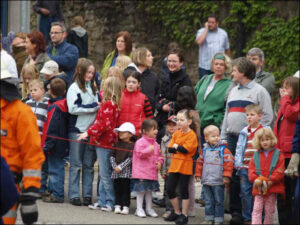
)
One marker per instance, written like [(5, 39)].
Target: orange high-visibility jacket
[(21, 142)]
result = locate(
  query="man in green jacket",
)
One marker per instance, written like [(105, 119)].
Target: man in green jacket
[(265, 79)]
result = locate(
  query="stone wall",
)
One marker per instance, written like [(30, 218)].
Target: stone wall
[(104, 19)]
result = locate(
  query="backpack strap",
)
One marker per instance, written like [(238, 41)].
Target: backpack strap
[(221, 153), (274, 161), (256, 159)]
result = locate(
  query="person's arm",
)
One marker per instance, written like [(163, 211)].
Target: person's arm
[(278, 173), (201, 35), (288, 110), (269, 83), (142, 150), (240, 150), (147, 108), (52, 129), (59, 12), (223, 135), (228, 163), (251, 171), (68, 59), (266, 105), (199, 166)]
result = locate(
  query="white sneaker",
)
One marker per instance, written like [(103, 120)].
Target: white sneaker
[(140, 213), (106, 208), (151, 213), (117, 209), (94, 206), (133, 194), (125, 210)]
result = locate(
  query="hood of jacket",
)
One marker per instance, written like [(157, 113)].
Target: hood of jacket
[(80, 31)]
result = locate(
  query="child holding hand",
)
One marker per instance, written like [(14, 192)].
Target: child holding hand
[(266, 172), (146, 162)]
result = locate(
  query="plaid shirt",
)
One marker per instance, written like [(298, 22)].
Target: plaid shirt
[(125, 168)]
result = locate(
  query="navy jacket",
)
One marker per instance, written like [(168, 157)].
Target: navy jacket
[(56, 125), (66, 57)]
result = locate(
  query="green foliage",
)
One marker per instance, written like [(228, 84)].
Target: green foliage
[(279, 39)]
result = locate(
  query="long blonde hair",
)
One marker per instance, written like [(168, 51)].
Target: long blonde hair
[(112, 90), (115, 71), (33, 72), (123, 61), (263, 132)]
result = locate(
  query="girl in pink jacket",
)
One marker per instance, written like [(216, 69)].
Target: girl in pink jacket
[(146, 162)]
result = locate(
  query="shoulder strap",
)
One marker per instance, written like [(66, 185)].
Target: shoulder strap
[(274, 161), (256, 159), (221, 152)]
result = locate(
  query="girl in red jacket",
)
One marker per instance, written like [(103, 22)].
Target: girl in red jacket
[(135, 106), (101, 132), (266, 172), (284, 129)]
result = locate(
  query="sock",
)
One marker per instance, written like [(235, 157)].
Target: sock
[(148, 198)]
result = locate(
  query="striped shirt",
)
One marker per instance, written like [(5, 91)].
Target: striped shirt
[(148, 108), (40, 110)]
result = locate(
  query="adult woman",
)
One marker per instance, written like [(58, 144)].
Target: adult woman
[(123, 47), (142, 62), (211, 90), (170, 85), (36, 49)]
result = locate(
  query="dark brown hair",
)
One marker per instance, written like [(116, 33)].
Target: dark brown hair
[(148, 124), (58, 87), (293, 82), (38, 39), (188, 115), (245, 66), (128, 42), (178, 52), (81, 69)]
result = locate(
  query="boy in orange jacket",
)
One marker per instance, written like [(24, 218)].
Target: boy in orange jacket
[(214, 167)]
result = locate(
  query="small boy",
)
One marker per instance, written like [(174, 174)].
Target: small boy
[(243, 154), (55, 149), (214, 167), (121, 164)]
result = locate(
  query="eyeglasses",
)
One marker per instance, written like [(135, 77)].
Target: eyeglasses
[(55, 33)]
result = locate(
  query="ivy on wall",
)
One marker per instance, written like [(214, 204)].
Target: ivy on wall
[(252, 23)]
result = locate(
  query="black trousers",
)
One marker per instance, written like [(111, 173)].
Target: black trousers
[(172, 182), (122, 191)]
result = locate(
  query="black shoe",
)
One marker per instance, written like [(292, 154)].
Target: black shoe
[(159, 202), (87, 201), (182, 219), (236, 220), (75, 201), (52, 199), (172, 217)]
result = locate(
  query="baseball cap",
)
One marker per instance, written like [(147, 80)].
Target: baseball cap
[(172, 119), (50, 67), (129, 127), (296, 74)]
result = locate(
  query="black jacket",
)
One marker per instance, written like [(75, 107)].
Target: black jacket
[(79, 37)]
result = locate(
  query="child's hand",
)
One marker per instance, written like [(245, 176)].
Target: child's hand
[(164, 176), (117, 170), (158, 165), (175, 146), (82, 136), (226, 182), (198, 179), (152, 148), (270, 183), (282, 92)]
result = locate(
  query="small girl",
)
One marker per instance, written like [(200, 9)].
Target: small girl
[(183, 145), (266, 172), (135, 106), (146, 162), (102, 134), (284, 129), (28, 73)]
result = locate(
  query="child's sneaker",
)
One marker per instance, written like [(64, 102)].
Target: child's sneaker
[(172, 217), (140, 213), (117, 209), (182, 220), (151, 213), (125, 210), (94, 206), (106, 208)]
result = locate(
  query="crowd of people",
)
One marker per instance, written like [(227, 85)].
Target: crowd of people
[(138, 125)]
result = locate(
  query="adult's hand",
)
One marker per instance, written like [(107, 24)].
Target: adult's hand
[(44, 11)]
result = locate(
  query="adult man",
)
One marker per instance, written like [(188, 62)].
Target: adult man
[(211, 39), (65, 54), (265, 79), (245, 93), (49, 12), (20, 143)]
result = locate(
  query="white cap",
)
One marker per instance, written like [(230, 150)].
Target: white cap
[(296, 74), (8, 68), (129, 127), (50, 67)]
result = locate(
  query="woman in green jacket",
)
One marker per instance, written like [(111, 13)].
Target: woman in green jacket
[(211, 90), (123, 47)]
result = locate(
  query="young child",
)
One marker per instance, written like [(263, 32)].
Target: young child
[(183, 145), (214, 167), (121, 164), (171, 127), (56, 150), (243, 154), (135, 106), (284, 128), (146, 162), (266, 172), (39, 106), (28, 73), (101, 132)]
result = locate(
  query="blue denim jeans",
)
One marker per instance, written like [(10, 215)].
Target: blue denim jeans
[(246, 195), (214, 203), (106, 186), (45, 185), (56, 171), (82, 157)]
